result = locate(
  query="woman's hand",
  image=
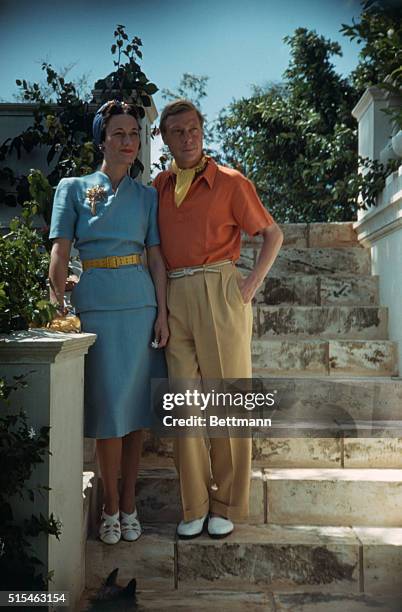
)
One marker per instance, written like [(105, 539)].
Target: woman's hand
[(58, 272), (161, 329)]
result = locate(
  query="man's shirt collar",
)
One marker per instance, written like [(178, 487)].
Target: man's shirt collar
[(208, 173)]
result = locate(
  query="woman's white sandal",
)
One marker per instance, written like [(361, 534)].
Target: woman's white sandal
[(109, 530), (130, 526)]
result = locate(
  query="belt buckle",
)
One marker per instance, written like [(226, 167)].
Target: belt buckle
[(188, 271), (112, 261)]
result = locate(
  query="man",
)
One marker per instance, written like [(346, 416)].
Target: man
[(202, 209)]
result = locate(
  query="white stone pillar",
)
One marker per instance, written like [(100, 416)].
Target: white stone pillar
[(54, 365), (380, 227)]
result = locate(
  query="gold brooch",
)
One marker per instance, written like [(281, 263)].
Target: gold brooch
[(95, 194)]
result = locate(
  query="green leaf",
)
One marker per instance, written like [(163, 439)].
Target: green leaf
[(151, 88), (146, 101)]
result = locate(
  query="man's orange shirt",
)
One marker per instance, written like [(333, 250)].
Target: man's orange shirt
[(207, 226)]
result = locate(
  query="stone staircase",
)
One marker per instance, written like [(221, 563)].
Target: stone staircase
[(325, 525)]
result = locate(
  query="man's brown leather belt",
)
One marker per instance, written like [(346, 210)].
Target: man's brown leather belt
[(212, 267), (114, 261)]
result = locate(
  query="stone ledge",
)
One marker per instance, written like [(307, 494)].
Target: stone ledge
[(334, 497), (312, 235), (351, 261), (273, 556), (43, 346), (256, 558), (319, 290), (336, 322), (286, 357)]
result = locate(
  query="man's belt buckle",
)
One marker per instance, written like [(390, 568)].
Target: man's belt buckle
[(188, 271), (111, 261)]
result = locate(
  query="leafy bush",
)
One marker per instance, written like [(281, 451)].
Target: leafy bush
[(63, 123), (380, 33), (24, 264), (21, 449), (298, 142)]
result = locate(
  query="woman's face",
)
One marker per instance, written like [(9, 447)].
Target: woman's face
[(122, 140)]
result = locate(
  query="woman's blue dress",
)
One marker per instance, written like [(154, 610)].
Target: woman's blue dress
[(117, 304)]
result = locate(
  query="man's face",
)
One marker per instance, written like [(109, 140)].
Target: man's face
[(183, 135)]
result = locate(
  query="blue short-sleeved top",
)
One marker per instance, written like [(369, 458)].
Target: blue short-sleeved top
[(124, 223)]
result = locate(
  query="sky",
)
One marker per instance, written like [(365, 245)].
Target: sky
[(236, 43)]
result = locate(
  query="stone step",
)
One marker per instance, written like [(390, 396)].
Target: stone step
[(365, 322), (290, 357), (335, 602), (312, 235), (365, 497), (150, 560), (187, 600), (305, 290), (158, 496), (254, 600), (275, 557), (361, 399), (327, 453), (282, 557), (352, 261), (320, 496), (301, 453)]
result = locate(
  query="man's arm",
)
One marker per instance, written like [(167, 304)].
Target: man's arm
[(272, 242)]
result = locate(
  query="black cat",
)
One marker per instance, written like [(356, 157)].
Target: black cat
[(111, 595)]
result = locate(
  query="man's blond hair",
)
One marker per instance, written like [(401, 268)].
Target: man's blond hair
[(174, 108)]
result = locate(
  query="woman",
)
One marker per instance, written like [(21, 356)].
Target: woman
[(112, 218)]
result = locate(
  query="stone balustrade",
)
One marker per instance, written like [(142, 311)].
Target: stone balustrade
[(53, 364), (380, 227)]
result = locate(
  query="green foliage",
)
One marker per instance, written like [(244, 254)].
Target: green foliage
[(298, 142), (191, 87), (82, 85), (127, 81), (21, 449), (24, 264), (379, 30), (63, 121)]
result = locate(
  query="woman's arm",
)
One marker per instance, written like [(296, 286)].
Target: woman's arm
[(58, 271), (157, 269)]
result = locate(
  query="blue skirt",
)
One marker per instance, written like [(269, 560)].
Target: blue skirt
[(118, 371)]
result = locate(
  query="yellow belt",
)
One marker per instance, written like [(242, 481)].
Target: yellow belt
[(114, 261)]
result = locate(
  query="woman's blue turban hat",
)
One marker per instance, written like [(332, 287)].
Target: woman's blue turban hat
[(97, 124)]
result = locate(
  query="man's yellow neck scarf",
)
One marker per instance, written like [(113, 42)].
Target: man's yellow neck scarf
[(184, 178)]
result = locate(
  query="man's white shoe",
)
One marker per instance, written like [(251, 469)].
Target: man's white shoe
[(130, 526), (219, 527), (191, 529), (109, 530)]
